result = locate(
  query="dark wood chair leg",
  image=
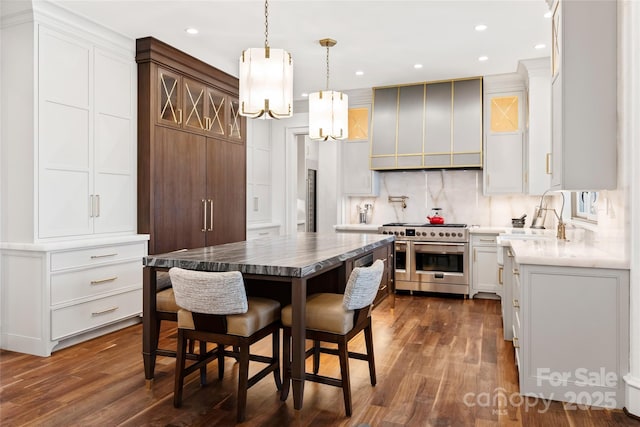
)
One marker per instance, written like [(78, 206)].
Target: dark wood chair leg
[(343, 353), (368, 337), (243, 381), (179, 369), (316, 356), (202, 345), (275, 352), (286, 363), (220, 361)]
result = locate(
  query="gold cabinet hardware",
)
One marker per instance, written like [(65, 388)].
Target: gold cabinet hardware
[(547, 161), (515, 272), (103, 256), (101, 281), (509, 253), (500, 269), (105, 311), (210, 215), (475, 255), (516, 343), (97, 205), (488, 240), (516, 303), (204, 215), (179, 116)]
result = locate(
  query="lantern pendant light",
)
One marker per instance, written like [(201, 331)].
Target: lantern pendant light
[(266, 80), (328, 110)]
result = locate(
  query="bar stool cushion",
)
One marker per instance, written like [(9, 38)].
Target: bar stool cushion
[(260, 313), (166, 301), (324, 312)]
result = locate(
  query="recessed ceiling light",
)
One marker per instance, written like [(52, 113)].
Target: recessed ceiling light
[(481, 27), (548, 14), (483, 58), (540, 46), (191, 31), (305, 94), (359, 73), (417, 66)]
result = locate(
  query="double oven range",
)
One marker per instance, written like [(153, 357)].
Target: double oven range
[(431, 257)]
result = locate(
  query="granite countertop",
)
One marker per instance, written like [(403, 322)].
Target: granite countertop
[(296, 255), (548, 251)]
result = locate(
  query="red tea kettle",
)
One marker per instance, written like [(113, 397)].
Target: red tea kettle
[(436, 217)]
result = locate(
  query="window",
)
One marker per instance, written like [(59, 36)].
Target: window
[(584, 206)]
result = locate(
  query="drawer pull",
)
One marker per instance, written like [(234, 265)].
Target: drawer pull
[(105, 311), (103, 256), (516, 303), (500, 281), (264, 233), (488, 240), (516, 343), (109, 279)]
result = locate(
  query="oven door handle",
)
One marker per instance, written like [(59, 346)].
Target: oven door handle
[(443, 247)]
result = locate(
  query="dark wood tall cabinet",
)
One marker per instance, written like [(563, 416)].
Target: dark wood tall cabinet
[(191, 151)]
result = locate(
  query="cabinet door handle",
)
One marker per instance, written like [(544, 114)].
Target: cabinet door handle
[(547, 162), (516, 343), (103, 256), (179, 116), (204, 215), (515, 272), (516, 303), (475, 252), (97, 205), (105, 311), (100, 281), (255, 204), (91, 205), (500, 275), (210, 215)]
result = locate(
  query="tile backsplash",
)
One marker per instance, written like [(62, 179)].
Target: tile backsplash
[(457, 192)]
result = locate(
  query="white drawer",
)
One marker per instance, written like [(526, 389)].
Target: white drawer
[(484, 239), (97, 255), (82, 283), (263, 232), (92, 314)]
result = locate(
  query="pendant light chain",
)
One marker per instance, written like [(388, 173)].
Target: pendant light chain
[(266, 23), (327, 67)]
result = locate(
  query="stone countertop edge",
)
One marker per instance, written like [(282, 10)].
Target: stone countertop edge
[(553, 252), (357, 227), (74, 244), (192, 259)]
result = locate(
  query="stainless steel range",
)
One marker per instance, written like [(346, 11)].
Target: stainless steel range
[(431, 257)]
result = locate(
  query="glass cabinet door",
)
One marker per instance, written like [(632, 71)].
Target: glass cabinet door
[(194, 100), (169, 98), (236, 121), (217, 113)]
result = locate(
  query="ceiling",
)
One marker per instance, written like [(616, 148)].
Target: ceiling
[(384, 39)]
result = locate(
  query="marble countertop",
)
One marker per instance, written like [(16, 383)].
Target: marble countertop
[(549, 251), (357, 227), (296, 255)]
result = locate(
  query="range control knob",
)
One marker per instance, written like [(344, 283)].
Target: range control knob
[(433, 234), (441, 234), (402, 233), (446, 234), (459, 234)]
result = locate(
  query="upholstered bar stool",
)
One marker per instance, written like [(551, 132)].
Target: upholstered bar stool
[(337, 318), (214, 308)]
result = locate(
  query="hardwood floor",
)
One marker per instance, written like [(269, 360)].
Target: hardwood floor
[(432, 354)]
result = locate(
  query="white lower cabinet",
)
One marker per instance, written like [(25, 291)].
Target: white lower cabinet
[(484, 265), (59, 294), (256, 231), (571, 333)]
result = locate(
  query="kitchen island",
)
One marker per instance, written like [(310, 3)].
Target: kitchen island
[(269, 266)]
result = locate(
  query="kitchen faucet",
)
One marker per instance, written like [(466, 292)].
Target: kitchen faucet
[(539, 216)]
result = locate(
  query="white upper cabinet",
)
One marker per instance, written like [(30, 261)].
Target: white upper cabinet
[(73, 143), (538, 124), (504, 134), (584, 101), (86, 138)]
